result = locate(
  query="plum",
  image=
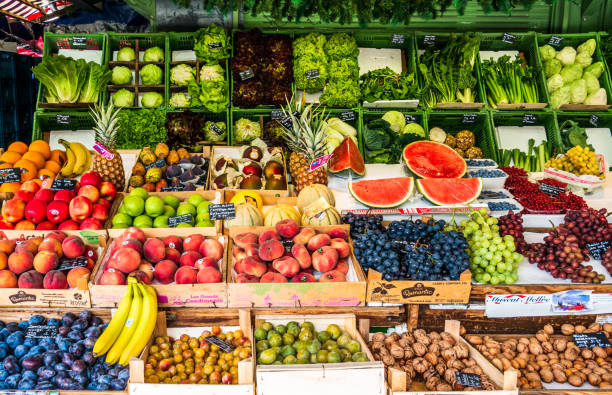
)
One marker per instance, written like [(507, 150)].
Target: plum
[(89, 358), (21, 350), (64, 383), (12, 380), (46, 372), (23, 325), (31, 363), (92, 331), (11, 364), (44, 385), (45, 343), (3, 353), (15, 339), (63, 330), (30, 375), (124, 374), (75, 335), (36, 350), (68, 358), (77, 350), (89, 343), (79, 325), (95, 321), (68, 319), (105, 379), (117, 385), (114, 371), (26, 384), (61, 367), (36, 320), (4, 333), (54, 322), (78, 366), (64, 344), (85, 315)]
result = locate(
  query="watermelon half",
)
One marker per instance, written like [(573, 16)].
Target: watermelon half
[(346, 159), (428, 159), (450, 191), (386, 192)]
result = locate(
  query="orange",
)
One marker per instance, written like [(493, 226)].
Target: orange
[(12, 187), (31, 168), (53, 166), (35, 157), (42, 147), (59, 156), (5, 165), (38, 181), (10, 157), (44, 173), (19, 147)]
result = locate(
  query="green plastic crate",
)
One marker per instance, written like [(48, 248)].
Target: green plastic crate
[(368, 39), (608, 63), (523, 42), (588, 120), (574, 40), (479, 123), (261, 116), (47, 121), (223, 116)]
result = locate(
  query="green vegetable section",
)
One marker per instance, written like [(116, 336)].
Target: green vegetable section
[(142, 128), (479, 123)]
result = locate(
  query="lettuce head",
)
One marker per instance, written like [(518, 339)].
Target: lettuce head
[(122, 75), (153, 54), (123, 98), (151, 74)]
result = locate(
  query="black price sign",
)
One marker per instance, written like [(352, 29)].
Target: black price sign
[(470, 118), (180, 219), (594, 120), (555, 40), (530, 118), (216, 130), (551, 190), (246, 74), (348, 116), (10, 175), (62, 119), (178, 188), (468, 379), (590, 340), (287, 122), (276, 114), (398, 38), (509, 38), (409, 118), (159, 164), (223, 346), (312, 74), (41, 331), (222, 211), (68, 264), (288, 244), (64, 183), (215, 46), (430, 39), (79, 41), (598, 248)]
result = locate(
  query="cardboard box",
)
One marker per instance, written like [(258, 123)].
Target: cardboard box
[(349, 293)]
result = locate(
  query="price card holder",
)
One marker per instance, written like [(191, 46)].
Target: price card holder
[(312, 74), (530, 118), (246, 74), (10, 175), (224, 346), (67, 264), (159, 164), (468, 379), (41, 331), (597, 249), (79, 41), (551, 190), (63, 183), (594, 120), (590, 340), (470, 118), (430, 40), (287, 122), (180, 219), (555, 41), (62, 119), (409, 118), (215, 46), (509, 38), (90, 237), (216, 130), (276, 114), (398, 38), (348, 116), (222, 211), (178, 188)]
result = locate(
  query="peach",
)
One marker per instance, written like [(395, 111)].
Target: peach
[(147, 269), (324, 259), (212, 248), (105, 203), (68, 225), (205, 262), (55, 280), (332, 276), (46, 225), (303, 277), (30, 279), (112, 277), (268, 235), (24, 225), (192, 242), (80, 208), (253, 266), (246, 278), (209, 275), (189, 258), (57, 211), (131, 243), (173, 254), (251, 250), (342, 266), (164, 271), (30, 186), (45, 261), (173, 242), (20, 261), (287, 228), (186, 275), (73, 247), (318, 241), (140, 275), (13, 210), (271, 249), (304, 236), (100, 213), (243, 239), (44, 194), (238, 253), (52, 244), (91, 224), (154, 250), (7, 246), (134, 233), (77, 275), (124, 259), (301, 254), (8, 279), (287, 266), (108, 191), (90, 192), (341, 246), (64, 195), (238, 266), (59, 236), (27, 245), (3, 260), (338, 233), (272, 277), (36, 211)]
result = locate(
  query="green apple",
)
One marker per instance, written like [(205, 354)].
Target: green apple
[(186, 208), (205, 224), (143, 221), (203, 207), (134, 205), (184, 225), (172, 201), (154, 206), (121, 219), (195, 199), (169, 211), (161, 222), (140, 191)]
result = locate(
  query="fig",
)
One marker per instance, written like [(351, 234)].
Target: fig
[(173, 171), (186, 164), (220, 181)]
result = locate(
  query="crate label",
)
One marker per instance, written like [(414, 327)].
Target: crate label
[(11, 175), (598, 248), (468, 379), (590, 340), (180, 219), (594, 120), (509, 38), (246, 74), (99, 148), (90, 237), (320, 161), (41, 331), (530, 118), (215, 45), (177, 188), (430, 39), (62, 119), (469, 118), (276, 114), (223, 345), (222, 211), (79, 41), (67, 264), (316, 208), (551, 190), (312, 74), (555, 41), (216, 129), (409, 118), (159, 164), (398, 38), (63, 183), (348, 116)]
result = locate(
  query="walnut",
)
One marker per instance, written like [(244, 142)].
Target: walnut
[(403, 342), (594, 327), (532, 376), (587, 354), (469, 361), (535, 348), (455, 364), (506, 364), (524, 340), (607, 327), (423, 339), (431, 372), (444, 344), (547, 347), (397, 352), (560, 376), (388, 342), (378, 337), (560, 345), (419, 349), (521, 347), (409, 370), (450, 376), (449, 354), (579, 329), (441, 368), (571, 354), (431, 358), (575, 380), (498, 364), (600, 352), (376, 345), (408, 352), (432, 383), (419, 333), (542, 336), (435, 336), (461, 350), (607, 377), (567, 329), (448, 337), (473, 369), (388, 360), (546, 375), (434, 348), (408, 336), (549, 329), (420, 364), (473, 339), (443, 387)]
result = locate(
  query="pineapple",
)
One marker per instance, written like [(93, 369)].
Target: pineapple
[(307, 141), (106, 129)]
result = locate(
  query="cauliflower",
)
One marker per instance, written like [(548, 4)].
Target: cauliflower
[(571, 73), (578, 91), (179, 99), (560, 97), (246, 130), (554, 82), (552, 67), (597, 98), (547, 52), (182, 75), (584, 59), (587, 47), (592, 82), (566, 56)]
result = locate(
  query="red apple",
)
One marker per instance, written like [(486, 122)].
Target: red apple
[(108, 190), (91, 178), (91, 224), (80, 208), (90, 192), (46, 225), (64, 195), (68, 225), (106, 203), (6, 225), (44, 194), (134, 233), (100, 212), (24, 195), (35, 210), (57, 211)]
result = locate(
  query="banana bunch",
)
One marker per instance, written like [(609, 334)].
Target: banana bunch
[(78, 159), (129, 330)]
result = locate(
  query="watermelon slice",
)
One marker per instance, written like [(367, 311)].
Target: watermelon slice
[(450, 191), (386, 192), (428, 159), (346, 159)]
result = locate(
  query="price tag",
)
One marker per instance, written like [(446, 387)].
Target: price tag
[(430, 39), (178, 188), (348, 116), (398, 38), (62, 119), (288, 244), (555, 41), (216, 130), (598, 248), (312, 74), (11, 175), (469, 118), (67, 264), (509, 38), (316, 208), (159, 164), (551, 190), (79, 41), (276, 114), (222, 211), (215, 45), (594, 120), (468, 379), (223, 346), (320, 161), (41, 331), (590, 340), (180, 219), (246, 74), (90, 237), (287, 122), (530, 118), (99, 148), (409, 118), (64, 183)]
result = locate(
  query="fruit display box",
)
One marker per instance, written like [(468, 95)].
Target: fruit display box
[(168, 295), (77, 297), (216, 197), (343, 294), (343, 378), (246, 367), (269, 200)]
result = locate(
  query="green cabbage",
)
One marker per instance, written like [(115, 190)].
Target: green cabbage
[(396, 120), (377, 135), (571, 73), (596, 69), (413, 128), (151, 99), (584, 59), (566, 56), (179, 99), (212, 133), (246, 130), (554, 82), (212, 73), (560, 97), (547, 52), (211, 44), (592, 82), (552, 67), (122, 75), (151, 74), (596, 98), (182, 75), (578, 91), (341, 45), (588, 47), (126, 54), (123, 98), (153, 54)]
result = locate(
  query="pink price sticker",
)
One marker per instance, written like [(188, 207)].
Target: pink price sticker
[(320, 161), (99, 148)]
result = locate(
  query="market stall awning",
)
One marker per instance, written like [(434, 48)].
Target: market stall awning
[(42, 10)]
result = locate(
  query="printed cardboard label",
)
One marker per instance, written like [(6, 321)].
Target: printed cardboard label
[(99, 148), (63, 183), (316, 207)]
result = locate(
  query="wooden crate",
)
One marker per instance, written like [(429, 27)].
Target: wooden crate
[(168, 295), (246, 367), (38, 297), (349, 293), (366, 378), (269, 199), (213, 196)]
